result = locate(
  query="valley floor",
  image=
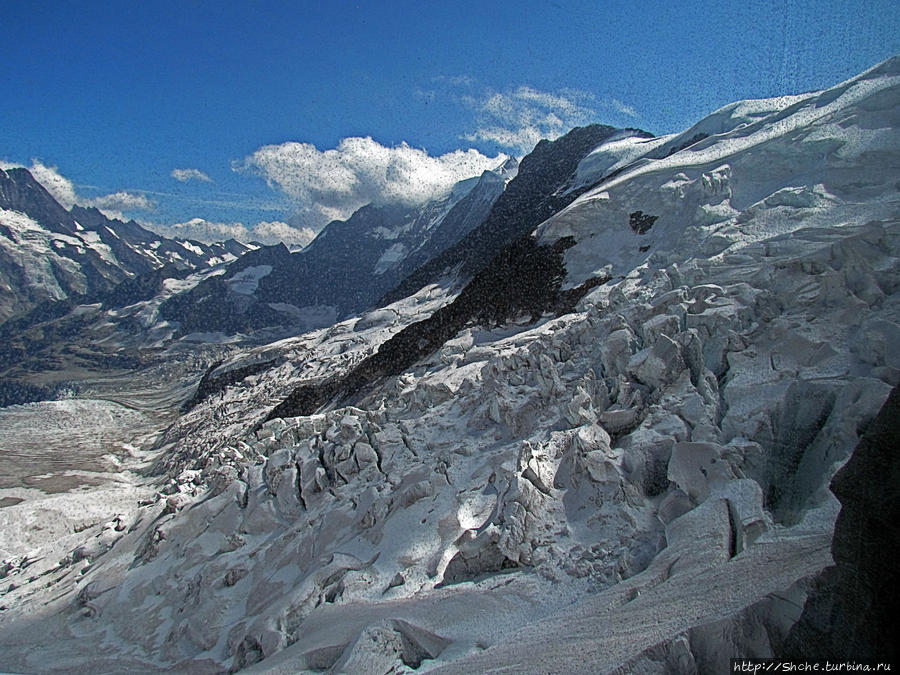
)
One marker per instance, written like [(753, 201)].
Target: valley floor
[(72, 471)]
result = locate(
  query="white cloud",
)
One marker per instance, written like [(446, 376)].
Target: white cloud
[(274, 231), (334, 183), (623, 108), (522, 139), (63, 190), (122, 201), (459, 80), (60, 187), (114, 205), (519, 118), (184, 175), (264, 232), (201, 230)]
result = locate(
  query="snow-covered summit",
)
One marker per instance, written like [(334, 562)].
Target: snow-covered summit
[(756, 168)]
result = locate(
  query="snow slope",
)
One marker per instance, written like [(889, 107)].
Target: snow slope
[(638, 485), (766, 167)]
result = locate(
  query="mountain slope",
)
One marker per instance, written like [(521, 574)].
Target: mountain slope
[(765, 167), (348, 266), (49, 254), (637, 485), (542, 187)]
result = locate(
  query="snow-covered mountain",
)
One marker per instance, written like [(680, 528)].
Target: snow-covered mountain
[(345, 269), (48, 253), (266, 294), (624, 467), (384, 253), (548, 181)]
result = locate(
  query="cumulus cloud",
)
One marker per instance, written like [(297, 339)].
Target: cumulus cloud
[(60, 187), (271, 232), (331, 184), (122, 201), (518, 118), (185, 175), (264, 232), (201, 230), (63, 190), (113, 205)]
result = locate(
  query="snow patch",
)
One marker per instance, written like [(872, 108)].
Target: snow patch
[(391, 258), (193, 248), (246, 281)]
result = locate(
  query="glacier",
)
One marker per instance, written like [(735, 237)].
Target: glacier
[(638, 485)]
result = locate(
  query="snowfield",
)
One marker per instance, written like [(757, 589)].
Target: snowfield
[(638, 486)]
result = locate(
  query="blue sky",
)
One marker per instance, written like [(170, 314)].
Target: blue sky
[(248, 98)]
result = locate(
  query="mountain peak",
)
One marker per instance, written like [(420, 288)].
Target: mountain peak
[(20, 191), (51, 254)]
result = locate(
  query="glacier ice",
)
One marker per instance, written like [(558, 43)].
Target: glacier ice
[(639, 483)]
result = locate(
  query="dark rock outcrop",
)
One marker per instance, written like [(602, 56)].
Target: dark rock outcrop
[(510, 273), (525, 278), (641, 222), (213, 306), (850, 613), (216, 379), (19, 191)]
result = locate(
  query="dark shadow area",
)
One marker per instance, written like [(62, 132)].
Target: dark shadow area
[(850, 611)]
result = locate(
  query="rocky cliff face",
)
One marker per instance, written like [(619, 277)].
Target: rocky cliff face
[(20, 192), (511, 274), (850, 614)]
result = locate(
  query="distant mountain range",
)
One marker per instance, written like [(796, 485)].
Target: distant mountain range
[(380, 254), (48, 253), (384, 253), (347, 267), (83, 290)]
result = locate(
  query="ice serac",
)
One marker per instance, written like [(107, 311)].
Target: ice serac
[(491, 482)]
